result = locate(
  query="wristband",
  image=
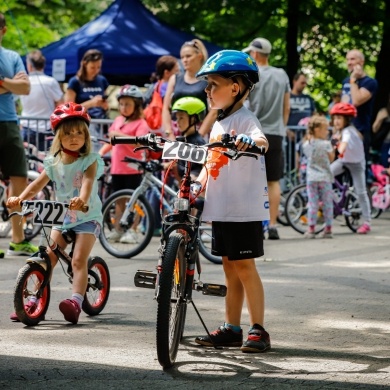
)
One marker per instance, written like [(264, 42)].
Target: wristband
[(1, 80)]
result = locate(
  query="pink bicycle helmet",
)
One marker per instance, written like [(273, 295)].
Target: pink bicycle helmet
[(68, 111), (346, 109)]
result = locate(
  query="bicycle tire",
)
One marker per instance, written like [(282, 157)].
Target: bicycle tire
[(170, 302), (97, 294), (143, 211), (297, 208), (371, 190), (205, 239), (30, 277), (281, 217), (353, 211), (32, 230)]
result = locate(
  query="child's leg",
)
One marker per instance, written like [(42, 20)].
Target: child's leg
[(250, 283), (326, 195), (313, 204), (82, 250), (235, 293), (359, 182)]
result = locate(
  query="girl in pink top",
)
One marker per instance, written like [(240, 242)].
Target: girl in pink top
[(130, 123)]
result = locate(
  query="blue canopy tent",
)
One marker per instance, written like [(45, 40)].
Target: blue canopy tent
[(131, 39)]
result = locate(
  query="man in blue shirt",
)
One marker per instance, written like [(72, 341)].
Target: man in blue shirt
[(13, 80), (360, 90)]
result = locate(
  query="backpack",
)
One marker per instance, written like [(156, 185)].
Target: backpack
[(153, 112)]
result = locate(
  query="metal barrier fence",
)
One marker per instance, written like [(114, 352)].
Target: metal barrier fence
[(99, 127), (43, 137)]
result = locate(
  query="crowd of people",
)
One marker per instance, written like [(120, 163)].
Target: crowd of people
[(208, 98)]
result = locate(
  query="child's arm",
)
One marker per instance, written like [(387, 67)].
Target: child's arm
[(89, 178), (31, 190)]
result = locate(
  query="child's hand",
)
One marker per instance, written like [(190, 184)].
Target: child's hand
[(76, 204), (243, 142), (13, 201)]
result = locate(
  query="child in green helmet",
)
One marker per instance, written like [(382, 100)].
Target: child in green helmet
[(236, 199)]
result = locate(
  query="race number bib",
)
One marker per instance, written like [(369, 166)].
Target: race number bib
[(181, 151), (49, 212)]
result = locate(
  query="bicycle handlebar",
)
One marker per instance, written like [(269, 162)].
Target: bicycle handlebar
[(154, 142)]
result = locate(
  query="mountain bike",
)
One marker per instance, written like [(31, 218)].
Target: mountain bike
[(179, 245), (33, 280), (136, 221), (345, 204)]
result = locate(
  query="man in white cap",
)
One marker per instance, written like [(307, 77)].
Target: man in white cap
[(270, 101)]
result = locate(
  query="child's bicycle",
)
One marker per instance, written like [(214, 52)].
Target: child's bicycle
[(179, 250), (345, 203), (380, 194), (33, 279)]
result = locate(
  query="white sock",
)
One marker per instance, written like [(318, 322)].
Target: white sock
[(78, 298)]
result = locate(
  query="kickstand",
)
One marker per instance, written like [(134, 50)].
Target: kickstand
[(204, 326)]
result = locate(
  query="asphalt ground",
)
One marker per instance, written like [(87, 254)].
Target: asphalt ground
[(327, 311)]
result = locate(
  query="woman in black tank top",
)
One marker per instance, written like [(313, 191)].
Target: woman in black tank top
[(193, 55)]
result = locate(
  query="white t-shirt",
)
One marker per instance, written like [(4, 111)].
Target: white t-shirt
[(45, 91), (236, 190), (355, 149)]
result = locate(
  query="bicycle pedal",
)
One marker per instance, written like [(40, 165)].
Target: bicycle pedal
[(145, 279), (218, 290)]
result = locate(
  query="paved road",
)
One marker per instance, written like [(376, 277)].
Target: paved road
[(328, 314)]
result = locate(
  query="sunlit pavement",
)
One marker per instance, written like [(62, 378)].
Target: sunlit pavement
[(327, 311)]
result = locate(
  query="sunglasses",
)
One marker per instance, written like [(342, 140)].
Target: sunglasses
[(191, 43), (93, 57)]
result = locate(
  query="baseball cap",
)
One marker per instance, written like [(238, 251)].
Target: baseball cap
[(260, 45)]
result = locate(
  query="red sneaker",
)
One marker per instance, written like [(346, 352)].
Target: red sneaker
[(71, 310), (29, 307)]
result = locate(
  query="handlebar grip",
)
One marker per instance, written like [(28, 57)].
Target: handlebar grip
[(256, 150), (124, 140), (85, 208)]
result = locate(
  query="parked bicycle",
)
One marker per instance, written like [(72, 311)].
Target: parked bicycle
[(33, 279), (136, 222), (179, 256), (345, 203), (380, 189)]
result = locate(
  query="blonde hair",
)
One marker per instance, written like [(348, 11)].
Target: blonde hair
[(316, 121), (199, 47), (66, 127)]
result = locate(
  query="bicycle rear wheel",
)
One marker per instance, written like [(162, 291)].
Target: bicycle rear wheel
[(352, 211), (171, 306), (28, 283), (205, 241), (136, 235), (297, 211), (98, 288)]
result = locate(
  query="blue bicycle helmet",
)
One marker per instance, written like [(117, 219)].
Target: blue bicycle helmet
[(229, 64)]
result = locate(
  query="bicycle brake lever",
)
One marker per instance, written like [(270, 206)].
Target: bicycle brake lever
[(140, 148), (247, 154)]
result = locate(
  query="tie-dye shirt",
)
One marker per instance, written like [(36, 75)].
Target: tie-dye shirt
[(67, 180)]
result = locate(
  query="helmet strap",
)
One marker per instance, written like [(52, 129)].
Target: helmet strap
[(191, 124), (71, 152), (224, 113)]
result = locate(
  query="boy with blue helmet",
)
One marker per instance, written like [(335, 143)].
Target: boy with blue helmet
[(236, 200)]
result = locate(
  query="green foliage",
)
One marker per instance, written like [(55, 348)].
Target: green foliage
[(325, 30)]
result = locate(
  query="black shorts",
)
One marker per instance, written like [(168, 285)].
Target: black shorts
[(125, 182), (274, 163), (12, 153), (237, 240)]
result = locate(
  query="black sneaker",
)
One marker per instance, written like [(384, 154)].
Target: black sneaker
[(273, 234), (222, 337), (258, 340)]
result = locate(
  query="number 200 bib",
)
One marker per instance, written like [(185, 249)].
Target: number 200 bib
[(181, 151)]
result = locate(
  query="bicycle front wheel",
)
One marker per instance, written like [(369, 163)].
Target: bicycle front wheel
[(171, 303), (130, 238), (296, 211), (28, 284), (98, 288)]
